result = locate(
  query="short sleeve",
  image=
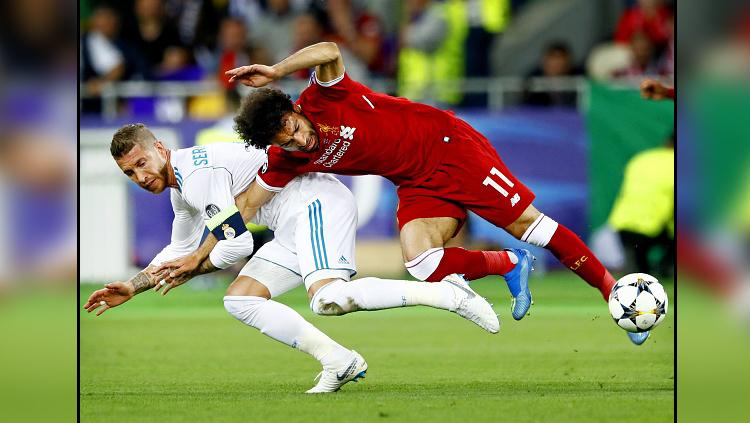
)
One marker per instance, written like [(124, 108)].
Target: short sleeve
[(280, 169), (209, 190), (187, 229), (336, 89)]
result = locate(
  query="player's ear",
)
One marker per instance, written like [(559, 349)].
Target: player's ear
[(160, 148)]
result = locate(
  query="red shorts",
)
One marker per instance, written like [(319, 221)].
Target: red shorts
[(472, 177)]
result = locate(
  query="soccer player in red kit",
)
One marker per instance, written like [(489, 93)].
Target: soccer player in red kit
[(441, 165)]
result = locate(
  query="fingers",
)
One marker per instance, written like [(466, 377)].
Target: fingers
[(102, 310), (177, 272), (90, 301), (161, 274), (168, 288), (240, 70), (233, 71), (159, 285), (96, 305), (164, 266), (95, 297)]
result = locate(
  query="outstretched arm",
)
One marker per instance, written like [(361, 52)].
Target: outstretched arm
[(115, 293), (325, 57)]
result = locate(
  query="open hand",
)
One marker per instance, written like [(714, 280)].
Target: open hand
[(253, 75), (112, 295)]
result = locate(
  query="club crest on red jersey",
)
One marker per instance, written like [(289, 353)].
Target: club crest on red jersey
[(328, 130)]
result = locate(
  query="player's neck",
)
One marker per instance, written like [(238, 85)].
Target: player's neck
[(171, 179)]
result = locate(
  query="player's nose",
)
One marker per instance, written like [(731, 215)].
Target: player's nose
[(300, 139)]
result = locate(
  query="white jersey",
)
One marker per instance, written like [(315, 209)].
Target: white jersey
[(210, 177)]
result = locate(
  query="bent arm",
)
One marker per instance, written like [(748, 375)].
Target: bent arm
[(248, 202), (325, 57)]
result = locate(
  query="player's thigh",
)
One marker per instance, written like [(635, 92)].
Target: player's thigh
[(325, 236), (491, 191), (421, 234), (474, 176), (273, 266)]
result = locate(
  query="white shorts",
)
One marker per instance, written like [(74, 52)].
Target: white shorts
[(314, 236)]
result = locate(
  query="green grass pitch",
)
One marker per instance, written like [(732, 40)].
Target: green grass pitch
[(183, 358)]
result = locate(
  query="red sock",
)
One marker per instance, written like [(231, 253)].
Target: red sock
[(576, 256), (473, 264)]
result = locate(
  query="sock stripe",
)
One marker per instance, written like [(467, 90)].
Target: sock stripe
[(531, 228), (422, 258)]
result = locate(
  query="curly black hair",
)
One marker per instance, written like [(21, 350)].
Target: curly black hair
[(259, 117)]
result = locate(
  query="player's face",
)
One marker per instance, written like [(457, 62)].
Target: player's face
[(146, 166), (297, 134)]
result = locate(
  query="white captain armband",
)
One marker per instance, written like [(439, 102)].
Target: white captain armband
[(227, 224)]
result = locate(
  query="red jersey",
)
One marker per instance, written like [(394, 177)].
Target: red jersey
[(363, 132)]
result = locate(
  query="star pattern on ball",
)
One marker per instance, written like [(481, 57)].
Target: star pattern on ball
[(643, 285)]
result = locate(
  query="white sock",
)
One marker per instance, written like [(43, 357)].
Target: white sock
[(285, 325), (341, 297)]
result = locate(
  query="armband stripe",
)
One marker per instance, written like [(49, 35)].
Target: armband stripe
[(231, 227), (221, 216)]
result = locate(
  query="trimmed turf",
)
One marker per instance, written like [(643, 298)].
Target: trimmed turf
[(183, 358)]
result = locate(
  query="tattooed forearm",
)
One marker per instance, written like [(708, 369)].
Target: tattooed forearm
[(142, 281)]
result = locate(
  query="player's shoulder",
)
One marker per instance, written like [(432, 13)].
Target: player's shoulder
[(212, 155), (191, 158), (339, 85), (279, 156)]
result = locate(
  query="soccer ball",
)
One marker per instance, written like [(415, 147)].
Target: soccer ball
[(638, 302)]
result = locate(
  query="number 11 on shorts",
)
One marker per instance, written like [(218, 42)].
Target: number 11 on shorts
[(489, 181)]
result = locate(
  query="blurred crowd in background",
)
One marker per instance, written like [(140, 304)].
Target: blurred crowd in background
[(429, 47)]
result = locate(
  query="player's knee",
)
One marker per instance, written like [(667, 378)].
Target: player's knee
[(242, 307), (248, 287), (425, 264), (332, 300), (524, 222)]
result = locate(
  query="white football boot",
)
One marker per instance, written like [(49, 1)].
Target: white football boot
[(472, 306), (331, 380)]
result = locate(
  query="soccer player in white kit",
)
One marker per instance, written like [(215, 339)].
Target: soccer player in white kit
[(314, 221)]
